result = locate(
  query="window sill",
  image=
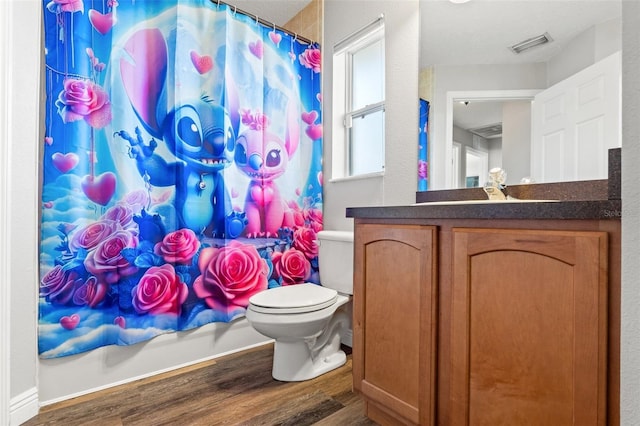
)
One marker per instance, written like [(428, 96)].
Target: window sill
[(358, 177)]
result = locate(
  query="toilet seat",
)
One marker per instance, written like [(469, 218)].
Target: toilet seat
[(293, 299)]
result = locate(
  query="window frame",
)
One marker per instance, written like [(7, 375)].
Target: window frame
[(343, 94), (349, 142)]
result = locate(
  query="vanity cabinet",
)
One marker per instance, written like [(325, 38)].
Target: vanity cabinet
[(458, 322)]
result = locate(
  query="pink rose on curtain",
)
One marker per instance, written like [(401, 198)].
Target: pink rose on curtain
[(159, 291), (314, 218), (292, 266), (178, 247), (306, 240), (57, 6), (423, 169), (230, 275), (312, 59), (137, 200), (106, 262), (93, 234), (296, 213), (58, 286), (90, 293), (121, 214), (84, 100)]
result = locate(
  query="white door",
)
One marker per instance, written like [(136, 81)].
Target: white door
[(576, 122)]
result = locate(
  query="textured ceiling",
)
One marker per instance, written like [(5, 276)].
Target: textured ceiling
[(481, 31)]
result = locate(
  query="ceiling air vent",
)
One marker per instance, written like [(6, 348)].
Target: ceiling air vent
[(488, 132), (529, 43)]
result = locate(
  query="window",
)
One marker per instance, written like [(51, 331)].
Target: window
[(359, 80)]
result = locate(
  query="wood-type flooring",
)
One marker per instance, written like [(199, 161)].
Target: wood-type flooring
[(233, 390)]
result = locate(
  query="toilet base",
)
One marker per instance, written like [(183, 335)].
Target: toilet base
[(293, 361)]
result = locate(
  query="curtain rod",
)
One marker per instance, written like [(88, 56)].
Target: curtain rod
[(359, 33), (263, 21)]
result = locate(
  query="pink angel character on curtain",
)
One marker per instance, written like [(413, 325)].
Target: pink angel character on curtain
[(264, 157)]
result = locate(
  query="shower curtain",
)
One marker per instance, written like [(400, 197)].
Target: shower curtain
[(182, 168), (423, 147)]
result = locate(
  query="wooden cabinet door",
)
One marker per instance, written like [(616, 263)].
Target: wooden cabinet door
[(528, 344), (395, 322)]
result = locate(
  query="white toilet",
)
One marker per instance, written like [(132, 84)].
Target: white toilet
[(307, 321)]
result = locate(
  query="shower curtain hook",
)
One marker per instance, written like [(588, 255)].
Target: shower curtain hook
[(218, 5), (235, 9), (296, 37), (257, 20), (274, 27)]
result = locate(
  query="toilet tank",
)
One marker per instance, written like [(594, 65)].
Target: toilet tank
[(335, 260)]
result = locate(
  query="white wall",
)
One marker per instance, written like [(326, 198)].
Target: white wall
[(630, 337), (495, 153), (5, 290), (20, 44), (584, 50), (516, 140), (399, 183)]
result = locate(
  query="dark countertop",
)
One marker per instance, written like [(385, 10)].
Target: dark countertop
[(583, 210)]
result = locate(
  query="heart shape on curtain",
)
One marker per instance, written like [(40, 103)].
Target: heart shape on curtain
[(70, 322), (256, 48), (102, 22), (314, 131), (275, 37), (65, 162), (120, 321), (99, 189), (202, 63), (309, 117)]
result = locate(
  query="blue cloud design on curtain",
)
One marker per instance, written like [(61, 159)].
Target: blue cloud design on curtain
[(182, 168)]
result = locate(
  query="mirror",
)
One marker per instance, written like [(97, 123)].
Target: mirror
[(492, 125), (470, 77)]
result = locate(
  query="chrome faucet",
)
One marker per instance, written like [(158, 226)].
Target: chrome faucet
[(495, 186)]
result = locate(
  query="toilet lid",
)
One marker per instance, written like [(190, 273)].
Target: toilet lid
[(293, 299)]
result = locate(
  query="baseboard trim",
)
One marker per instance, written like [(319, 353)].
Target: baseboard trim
[(23, 407)]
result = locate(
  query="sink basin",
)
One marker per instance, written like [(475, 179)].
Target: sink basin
[(468, 202)]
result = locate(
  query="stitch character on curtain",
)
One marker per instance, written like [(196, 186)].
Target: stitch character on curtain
[(182, 168)]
